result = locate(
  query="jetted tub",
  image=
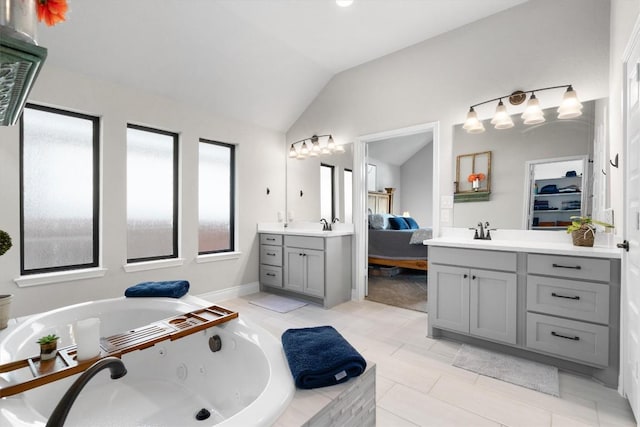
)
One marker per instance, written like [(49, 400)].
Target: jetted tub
[(246, 383)]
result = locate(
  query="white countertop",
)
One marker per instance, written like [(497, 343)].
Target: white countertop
[(557, 243), (306, 229)]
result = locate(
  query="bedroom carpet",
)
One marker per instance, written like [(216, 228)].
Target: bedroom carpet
[(523, 372), (407, 290)]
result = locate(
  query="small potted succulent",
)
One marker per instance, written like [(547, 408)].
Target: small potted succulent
[(583, 230), (48, 346)]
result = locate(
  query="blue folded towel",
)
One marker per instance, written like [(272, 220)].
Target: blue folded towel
[(172, 289), (320, 357)]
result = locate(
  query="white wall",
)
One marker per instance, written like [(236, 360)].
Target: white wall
[(260, 164), (388, 175), (537, 44), (417, 186)]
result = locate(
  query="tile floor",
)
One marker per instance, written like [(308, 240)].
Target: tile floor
[(416, 384)]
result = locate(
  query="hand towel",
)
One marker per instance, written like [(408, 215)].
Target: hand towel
[(172, 289), (320, 357)]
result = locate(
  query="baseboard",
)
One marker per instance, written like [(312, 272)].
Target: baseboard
[(230, 293)]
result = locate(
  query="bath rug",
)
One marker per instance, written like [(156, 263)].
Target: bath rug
[(320, 357), (277, 303), (512, 369), (172, 289)]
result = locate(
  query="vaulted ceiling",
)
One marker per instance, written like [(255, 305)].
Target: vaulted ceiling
[(259, 61)]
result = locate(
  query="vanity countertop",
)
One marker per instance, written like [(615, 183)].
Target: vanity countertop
[(543, 247), (314, 230)]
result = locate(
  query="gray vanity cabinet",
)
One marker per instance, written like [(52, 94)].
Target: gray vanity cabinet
[(304, 271), (568, 307), (310, 267), (479, 302), (556, 308)]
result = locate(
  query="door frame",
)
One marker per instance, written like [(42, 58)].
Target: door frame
[(634, 40), (360, 194)]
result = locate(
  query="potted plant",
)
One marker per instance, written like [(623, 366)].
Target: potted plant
[(583, 230), (48, 346)]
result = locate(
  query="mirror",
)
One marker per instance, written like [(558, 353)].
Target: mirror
[(303, 185), (511, 149)]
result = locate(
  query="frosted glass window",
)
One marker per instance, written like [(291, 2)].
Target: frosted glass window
[(59, 206), (326, 192), (152, 189), (215, 197), (348, 196)]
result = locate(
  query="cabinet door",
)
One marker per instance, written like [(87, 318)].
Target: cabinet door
[(449, 297), (492, 305), (294, 269), (314, 284)]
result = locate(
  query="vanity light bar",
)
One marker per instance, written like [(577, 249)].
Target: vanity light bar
[(570, 107), (314, 148)]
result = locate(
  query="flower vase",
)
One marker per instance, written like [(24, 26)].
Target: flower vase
[(49, 350), (476, 184), (19, 19)]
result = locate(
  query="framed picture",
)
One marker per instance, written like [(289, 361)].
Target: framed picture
[(372, 171)]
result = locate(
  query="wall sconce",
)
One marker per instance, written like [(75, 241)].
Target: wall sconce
[(570, 107), (301, 150)]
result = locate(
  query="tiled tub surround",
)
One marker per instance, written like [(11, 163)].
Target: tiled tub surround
[(416, 385), (531, 294)]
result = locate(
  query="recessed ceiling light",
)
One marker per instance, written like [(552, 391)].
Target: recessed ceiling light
[(344, 3)]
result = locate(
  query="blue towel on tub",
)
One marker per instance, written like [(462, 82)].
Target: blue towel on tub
[(171, 288), (320, 357)]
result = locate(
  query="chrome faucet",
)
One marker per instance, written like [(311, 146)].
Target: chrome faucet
[(480, 231), (325, 225), (59, 414)]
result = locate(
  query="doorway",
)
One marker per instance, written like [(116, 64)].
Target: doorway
[(411, 184)]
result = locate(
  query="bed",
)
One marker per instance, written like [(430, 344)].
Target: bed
[(397, 248)]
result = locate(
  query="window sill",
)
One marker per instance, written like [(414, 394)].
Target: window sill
[(223, 256), (152, 265), (57, 277)]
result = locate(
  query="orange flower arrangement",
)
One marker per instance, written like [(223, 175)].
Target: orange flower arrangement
[(474, 176), (51, 11)]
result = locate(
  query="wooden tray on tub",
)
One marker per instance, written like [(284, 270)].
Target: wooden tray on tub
[(33, 372)]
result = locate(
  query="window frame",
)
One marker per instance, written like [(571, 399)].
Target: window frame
[(95, 120), (175, 190), (232, 196)]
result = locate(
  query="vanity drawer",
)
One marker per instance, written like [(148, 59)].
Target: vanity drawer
[(568, 298), (271, 239), (271, 255), (271, 276), (305, 242), (570, 339), (569, 266), (487, 259)]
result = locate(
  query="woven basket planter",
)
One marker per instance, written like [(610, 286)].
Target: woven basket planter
[(584, 236)]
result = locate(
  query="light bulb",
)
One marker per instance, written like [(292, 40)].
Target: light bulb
[(292, 151), (502, 119), (472, 124), (533, 114), (570, 106), (344, 3)]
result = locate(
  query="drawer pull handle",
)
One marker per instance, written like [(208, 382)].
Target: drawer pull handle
[(465, 276), (271, 274), (575, 297), (473, 277), (271, 254), (271, 239), (575, 267), (566, 337)]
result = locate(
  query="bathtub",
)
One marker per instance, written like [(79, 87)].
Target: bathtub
[(246, 383)]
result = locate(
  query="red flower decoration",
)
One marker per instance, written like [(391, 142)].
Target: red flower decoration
[(51, 11), (474, 176)]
